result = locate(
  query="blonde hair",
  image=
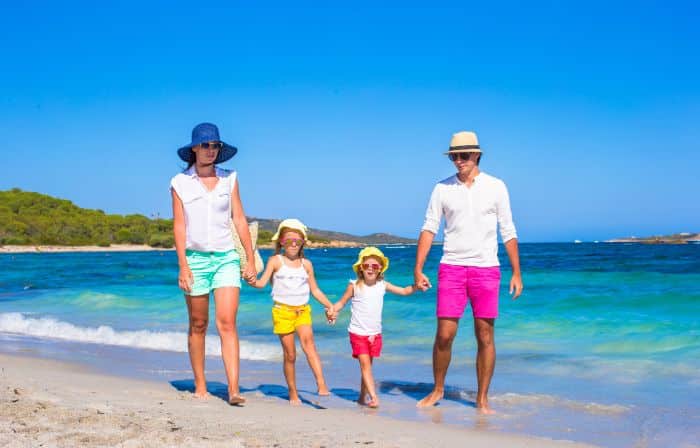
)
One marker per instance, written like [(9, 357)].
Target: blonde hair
[(360, 278), (278, 244)]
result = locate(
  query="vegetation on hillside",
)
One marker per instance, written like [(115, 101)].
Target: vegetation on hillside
[(28, 218)]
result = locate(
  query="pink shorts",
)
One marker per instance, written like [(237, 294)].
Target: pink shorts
[(366, 345), (459, 284)]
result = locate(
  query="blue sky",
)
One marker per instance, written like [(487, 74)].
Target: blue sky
[(589, 112)]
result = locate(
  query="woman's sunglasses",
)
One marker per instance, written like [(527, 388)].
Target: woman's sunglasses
[(461, 155), (211, 145), (372, 266), (292, 242)]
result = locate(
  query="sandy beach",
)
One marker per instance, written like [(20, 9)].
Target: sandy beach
[(52, 403)]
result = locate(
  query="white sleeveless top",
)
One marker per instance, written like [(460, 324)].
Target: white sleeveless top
[(207, 213), (367, 303), (290, 285)]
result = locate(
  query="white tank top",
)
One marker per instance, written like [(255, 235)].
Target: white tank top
[(290, 285), (367, 303)]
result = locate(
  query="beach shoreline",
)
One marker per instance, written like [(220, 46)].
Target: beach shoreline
[(22, 249), (65, 404)]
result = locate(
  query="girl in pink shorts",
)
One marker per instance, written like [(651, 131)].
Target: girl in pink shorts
[(367, 294)]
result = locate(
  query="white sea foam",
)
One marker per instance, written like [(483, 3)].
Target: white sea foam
[(551, 400), (47, 327)]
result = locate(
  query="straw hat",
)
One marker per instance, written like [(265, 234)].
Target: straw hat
[(371, 251), (291, 224), (465, 141)]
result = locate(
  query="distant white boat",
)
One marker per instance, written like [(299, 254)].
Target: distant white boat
[(577, 241)]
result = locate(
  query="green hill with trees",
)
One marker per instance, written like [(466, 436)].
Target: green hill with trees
[(38, 219), (28, 218)]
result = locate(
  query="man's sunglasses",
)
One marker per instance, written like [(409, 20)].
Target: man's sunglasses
[(211, 145), (461, 155), (372, 266)]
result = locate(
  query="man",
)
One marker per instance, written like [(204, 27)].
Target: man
[(474, 204)]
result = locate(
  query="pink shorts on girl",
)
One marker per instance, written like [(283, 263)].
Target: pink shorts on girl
[(366, 345), (459, 284)]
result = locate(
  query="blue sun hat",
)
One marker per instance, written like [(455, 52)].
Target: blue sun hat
[(206, 132)]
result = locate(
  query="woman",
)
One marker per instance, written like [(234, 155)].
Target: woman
[(205, 201)]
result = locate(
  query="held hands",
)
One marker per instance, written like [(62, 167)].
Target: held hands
[(249, 273), (331, 315), (185, 279), (421, 282)]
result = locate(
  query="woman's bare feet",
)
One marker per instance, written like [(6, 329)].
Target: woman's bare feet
[(294, 399), (362, 400), (431, 399), (235, 399), (201, 395)]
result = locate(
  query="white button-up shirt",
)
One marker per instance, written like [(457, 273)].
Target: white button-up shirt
[(472, 215), (207, 213)]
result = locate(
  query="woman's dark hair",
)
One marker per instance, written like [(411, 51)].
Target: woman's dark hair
[(193, 159)]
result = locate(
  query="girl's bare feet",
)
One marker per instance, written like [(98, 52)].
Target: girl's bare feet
[(323, 390), (362, 400), (373, 402)]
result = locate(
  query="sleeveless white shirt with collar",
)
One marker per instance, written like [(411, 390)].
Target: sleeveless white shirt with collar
[(207, 213)]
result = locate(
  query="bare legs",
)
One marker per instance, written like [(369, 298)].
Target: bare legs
[(226, 308), (306, 337), (367, 382), (485, 361), (442, 355), (198, 311)]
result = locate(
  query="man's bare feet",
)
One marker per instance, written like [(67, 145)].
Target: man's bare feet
[(235, 399), (484, 408), (431, 399)]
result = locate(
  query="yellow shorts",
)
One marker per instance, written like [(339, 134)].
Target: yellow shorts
[(286, 318)]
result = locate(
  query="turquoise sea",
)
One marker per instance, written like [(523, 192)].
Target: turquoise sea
[(603, 346)]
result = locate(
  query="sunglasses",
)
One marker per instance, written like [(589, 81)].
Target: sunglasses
[(372, 266), (292, 242), (211, 145), (461, 155)]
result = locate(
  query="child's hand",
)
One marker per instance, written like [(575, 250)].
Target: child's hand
[(331, 315)]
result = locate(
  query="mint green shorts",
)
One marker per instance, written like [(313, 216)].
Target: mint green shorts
[(212, 270)]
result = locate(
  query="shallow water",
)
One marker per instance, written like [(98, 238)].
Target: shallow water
[(603, 347)]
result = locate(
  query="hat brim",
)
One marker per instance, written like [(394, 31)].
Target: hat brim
[(277, 234), (456, 151), (225, 153), (385, 262)]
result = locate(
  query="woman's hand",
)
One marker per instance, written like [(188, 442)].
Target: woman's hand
[(185, 279), (249, 273)]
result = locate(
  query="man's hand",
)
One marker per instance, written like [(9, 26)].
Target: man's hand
[(421, 282), (516, 285)]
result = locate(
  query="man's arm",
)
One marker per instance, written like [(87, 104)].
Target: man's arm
[(425, 241), (516, 280)]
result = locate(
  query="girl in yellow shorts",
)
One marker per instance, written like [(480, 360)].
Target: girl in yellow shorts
[(293, 279)]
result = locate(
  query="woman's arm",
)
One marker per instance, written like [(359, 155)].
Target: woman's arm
[(241, 224), (401, 291), (267, 273), (347, 295), (184, 278)]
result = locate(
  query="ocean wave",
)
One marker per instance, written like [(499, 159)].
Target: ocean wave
[(47, 327), (513, 399)]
